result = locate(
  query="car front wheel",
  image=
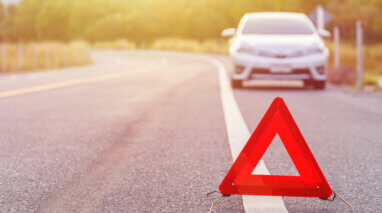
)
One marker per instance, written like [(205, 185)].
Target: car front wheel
[(315, 84), (319, 84)]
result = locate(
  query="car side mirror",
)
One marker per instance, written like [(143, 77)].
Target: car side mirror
[(324, 33), (228, 32)]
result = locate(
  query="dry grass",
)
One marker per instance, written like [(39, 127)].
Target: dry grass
[(117, 44), (173, 44), (43, 55), (372, 55), (189, 45)]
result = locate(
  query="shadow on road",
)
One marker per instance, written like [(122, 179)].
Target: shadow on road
[(284, 88), (276, 85)]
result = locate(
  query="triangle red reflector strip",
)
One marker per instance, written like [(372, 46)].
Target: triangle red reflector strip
[(310, 183)]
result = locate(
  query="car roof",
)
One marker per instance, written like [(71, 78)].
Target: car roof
[(275, 14)]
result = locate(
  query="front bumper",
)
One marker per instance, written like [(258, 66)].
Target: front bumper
[(309, 67)]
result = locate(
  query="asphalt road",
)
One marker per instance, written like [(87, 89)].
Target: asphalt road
[(145, 132)]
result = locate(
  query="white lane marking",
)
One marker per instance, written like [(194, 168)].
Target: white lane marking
[(238, 135)]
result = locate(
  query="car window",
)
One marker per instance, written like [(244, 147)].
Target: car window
[(277, 25)]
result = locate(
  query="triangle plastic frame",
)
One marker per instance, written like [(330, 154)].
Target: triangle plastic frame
[(310, 183)]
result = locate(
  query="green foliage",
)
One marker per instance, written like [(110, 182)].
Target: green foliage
[(370, 79), (147, 20), (52, 20)]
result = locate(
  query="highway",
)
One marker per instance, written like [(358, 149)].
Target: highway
[(146, 131)]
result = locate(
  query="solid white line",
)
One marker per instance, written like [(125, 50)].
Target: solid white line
[(238, 135)]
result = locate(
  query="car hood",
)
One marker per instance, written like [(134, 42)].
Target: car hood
[(276, 43)]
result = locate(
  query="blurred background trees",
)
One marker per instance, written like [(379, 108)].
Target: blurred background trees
[(146, 20)]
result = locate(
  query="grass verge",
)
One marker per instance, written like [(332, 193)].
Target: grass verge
[(22, 57)]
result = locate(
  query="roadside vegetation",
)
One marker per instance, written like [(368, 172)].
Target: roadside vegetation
[(346, 73), (148, 20), (42, 55), (171, 44)]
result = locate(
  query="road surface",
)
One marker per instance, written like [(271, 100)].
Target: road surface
[(145, 132)]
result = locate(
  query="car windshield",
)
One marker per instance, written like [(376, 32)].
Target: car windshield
[(277, 25)]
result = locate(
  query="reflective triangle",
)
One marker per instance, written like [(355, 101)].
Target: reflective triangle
[(310, 183)]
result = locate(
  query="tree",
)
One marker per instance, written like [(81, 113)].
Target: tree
[(52, 20), (142, 20)]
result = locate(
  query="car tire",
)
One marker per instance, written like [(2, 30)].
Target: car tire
[(236, 83), (319, 84)]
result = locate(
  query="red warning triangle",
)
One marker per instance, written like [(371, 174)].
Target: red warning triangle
[(310, 183)]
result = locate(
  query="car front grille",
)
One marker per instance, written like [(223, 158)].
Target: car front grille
[(267, 71)]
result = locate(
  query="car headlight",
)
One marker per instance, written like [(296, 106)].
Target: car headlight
[(254, 51), (242, 47), (313, 50), (248, 50)]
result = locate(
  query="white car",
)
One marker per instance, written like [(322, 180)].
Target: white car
[(278, 45)]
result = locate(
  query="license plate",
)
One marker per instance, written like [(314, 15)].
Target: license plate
[(281, 68)]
